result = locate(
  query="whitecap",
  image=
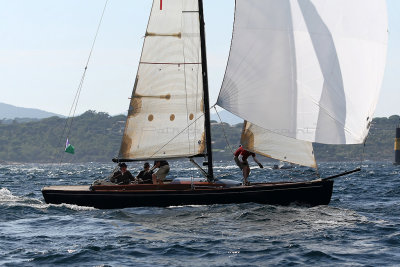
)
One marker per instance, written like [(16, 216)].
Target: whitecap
[(72, 207), (7, 196), (10, 200), (186, 206)]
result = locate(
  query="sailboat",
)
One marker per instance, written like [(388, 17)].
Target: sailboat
[(299, 72)]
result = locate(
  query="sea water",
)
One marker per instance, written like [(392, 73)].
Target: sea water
[(360, 227)]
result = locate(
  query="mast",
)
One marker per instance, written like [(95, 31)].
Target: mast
[(210, 176)]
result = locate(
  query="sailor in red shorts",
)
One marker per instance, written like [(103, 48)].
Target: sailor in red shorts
[(240, 157)]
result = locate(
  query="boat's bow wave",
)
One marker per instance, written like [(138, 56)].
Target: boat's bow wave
[(8, 199)]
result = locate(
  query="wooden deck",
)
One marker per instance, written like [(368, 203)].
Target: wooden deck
[(68, 187), (163, 187)]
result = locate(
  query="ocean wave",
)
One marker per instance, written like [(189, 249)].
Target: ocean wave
[(360, 224), (7, 196), (72, 207), (10, 200)]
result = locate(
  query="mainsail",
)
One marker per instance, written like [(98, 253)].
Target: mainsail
[(166, 112), (272, 145), (307, 69)]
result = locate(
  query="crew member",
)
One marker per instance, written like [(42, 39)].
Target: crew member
[(123, 176), (145, 176), (163, 170), (240, 157)]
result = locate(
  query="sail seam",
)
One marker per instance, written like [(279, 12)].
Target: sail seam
[(197, 82), (184, 75)]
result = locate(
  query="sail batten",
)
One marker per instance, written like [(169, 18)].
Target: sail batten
[(310, 70), (166, 116)]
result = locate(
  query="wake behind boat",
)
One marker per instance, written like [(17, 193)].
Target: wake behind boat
[(298, 73)]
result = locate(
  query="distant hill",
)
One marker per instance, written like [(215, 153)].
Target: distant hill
[(227, 117), (10, 112), (97, 138)]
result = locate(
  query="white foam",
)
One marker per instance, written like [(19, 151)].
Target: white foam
[(226, 167), (7, 196), (186, 206), (8, 199), (72, 207)]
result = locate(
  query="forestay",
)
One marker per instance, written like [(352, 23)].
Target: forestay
[(165, 116), (307, 69), (269, 144)]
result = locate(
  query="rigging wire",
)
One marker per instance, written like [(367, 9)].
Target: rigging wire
[(173, 138), (364, 145), (363, 151), (186, 91), (71, 114), (183, 130), (199, 59), (223, 130)]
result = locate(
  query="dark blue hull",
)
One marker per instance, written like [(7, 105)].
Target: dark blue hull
[(114, 197)]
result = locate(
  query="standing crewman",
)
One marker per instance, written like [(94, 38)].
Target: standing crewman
[(240, 157)]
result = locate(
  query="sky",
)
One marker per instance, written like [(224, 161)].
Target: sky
[(44, 46)]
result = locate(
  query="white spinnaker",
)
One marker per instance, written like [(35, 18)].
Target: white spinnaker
[(307, 69), (165, 118), (269, 144)]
